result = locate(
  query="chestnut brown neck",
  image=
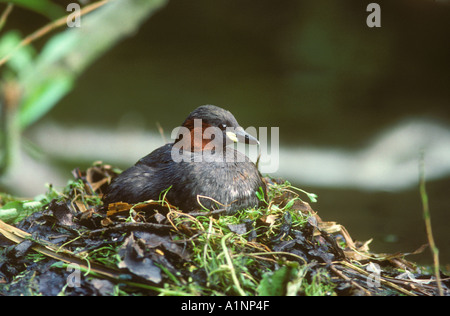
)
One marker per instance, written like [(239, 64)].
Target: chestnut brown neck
[(195, 140)]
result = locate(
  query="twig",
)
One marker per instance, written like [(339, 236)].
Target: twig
[(211, 199), (130, 227), (48, 28), (215, 212), (382, 280), (53, 251), (173, 212), (343, 276), (5, 15), (427, 219)]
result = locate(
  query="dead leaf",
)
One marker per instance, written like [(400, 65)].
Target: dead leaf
[(239, 229), (136, 262), (153, 241)]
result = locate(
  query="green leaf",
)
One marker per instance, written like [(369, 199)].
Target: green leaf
[(260, 194), (312, 197), (15, 211), (289, 204), (66, 55), (44, 7), (22, 58), (274, 283), (43, 99), (10, 211)]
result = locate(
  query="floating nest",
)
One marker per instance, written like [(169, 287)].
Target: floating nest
[(68, 243)]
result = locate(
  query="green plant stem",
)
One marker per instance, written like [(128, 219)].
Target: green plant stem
[(273, 253), (9, 130), (230, 265), (427, 219)]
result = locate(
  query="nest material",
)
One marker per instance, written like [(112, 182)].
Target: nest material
[(154, 248)]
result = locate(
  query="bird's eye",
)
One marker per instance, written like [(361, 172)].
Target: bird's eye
[(223, 126)]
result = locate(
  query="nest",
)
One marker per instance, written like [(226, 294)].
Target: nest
[(71, 244)]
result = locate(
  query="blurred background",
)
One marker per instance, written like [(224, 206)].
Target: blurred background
[(355, 106)]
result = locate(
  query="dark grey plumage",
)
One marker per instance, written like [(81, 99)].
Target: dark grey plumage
[(232, 184)]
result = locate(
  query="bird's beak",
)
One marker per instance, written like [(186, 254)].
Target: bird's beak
[(240, 135)]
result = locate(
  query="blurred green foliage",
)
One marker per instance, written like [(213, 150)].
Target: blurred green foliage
[(44, 7), (32, 83)]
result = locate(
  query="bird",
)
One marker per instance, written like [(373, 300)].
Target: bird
[(198, 170)]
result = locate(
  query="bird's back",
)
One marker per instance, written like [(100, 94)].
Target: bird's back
[(195, 181)]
